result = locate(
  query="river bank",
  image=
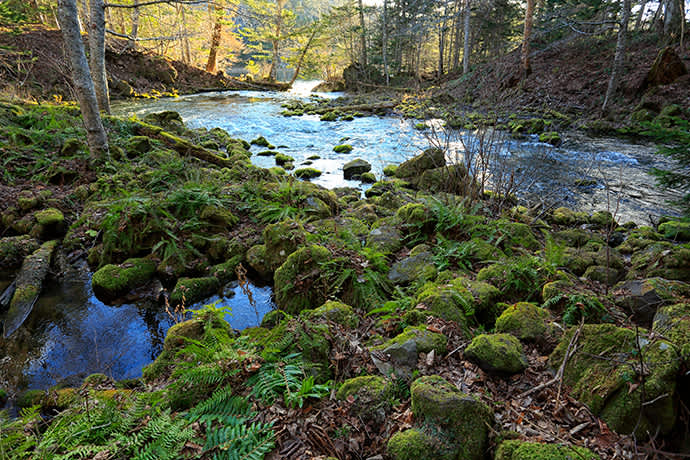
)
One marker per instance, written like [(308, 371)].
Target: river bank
[(425, 294)]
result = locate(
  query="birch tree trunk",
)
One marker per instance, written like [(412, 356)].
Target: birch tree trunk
[(135, 26), (97, 54), (619, 57), (215, 38), (83, 86), (529, 16), (466, 44), (363, 34), (384, 46), (273, 71)]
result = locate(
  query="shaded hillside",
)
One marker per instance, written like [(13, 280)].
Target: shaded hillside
[(33, 64), (572, 79)]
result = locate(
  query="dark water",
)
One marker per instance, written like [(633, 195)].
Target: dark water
[(619, 168), (71, 334)]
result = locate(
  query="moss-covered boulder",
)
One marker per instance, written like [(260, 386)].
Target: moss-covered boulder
[(604, 374), (371, 397), (353, 169), (112, 281), (447, 179), (13, 250), (385, 238), (136, 146), (299, 282), (642, 298), (342, 148), (367, 178), (525, 450), (188, 291), (336, 312), (307, 173), (459, 422), (673, 323), (283, 160), (551, 137), (389, 170), (411, 444), (661, 260), (50, 223), (281, 240), (219, 217), (451, 301), (401, 352), (418, 266), (524, 320), (603, 274), (260, 141), (413, 168), (675, 230), (500, 353)]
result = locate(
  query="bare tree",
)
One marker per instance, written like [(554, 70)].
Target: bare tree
[(83, 85), (619, 57), (97, 53), (217, 12)]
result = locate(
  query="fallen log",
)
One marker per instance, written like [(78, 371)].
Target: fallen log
[(28, 287), (6, 296)]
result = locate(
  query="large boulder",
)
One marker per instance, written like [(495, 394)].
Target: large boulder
[(13, 250), (297, 280), (413, 168), (667, 68), (524, 320), (399, 355), (419, 265), (371, 396), (642, 298), (673, 323), (112, 281), (353, 169), (459, 422), (500, 353), (385, 238), (515, 449), (604, 373), (662, 260)]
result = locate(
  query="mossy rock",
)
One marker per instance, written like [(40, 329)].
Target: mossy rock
[(415, 217), (298, 280), (424, 339), (411, 444), (524, 450), (602, 220), (418, 266), (226, 271), (330, 116), (551, 137), (574, 237), (136, 146), (385, 238), (451, 301), (50, 223), (307, 173), (414, 167), (661, 260), (281, 240), (605, 364), (524, 320), (112, 281), (342, 148), (189, 291), (500, 353), (675, 230), (461, 420), (260, 141), (555, 288), (26, 200), (516, 234), (283, 160), (219, 216), (478, 250), (568, 217), (336, 312), (30, 398), (603, 274), (372, 397), (367, 178), (673, 323), (354, 168), (13, 250), (389, 170), (642, 298)]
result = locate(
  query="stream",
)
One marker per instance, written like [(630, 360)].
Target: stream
[(71, 334)]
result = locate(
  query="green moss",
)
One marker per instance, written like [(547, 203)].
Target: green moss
[(676, 230), (551, 137), (26, 200), (516, 234), (568, 217), (30, 398), (423, 338), (260, 141), (500, 353), (367, 178), (13, 250), (389, 170), (283, 160), (219, 216), (97, 379), (461, 418), (298, 282), (115, 280), (336, 312), (225, 272), (136, 146), (524, 450), (411, 444), (70, 147), (192, 290), (342, 148), (524, 320), (307, 173), (414, 167), (369, 383), (673, 322), (450, 301)]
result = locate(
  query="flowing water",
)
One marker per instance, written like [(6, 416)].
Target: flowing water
[(71, 334)]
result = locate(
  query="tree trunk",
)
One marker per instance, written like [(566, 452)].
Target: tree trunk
[(215, 39), (672, 17), (135, 26), (301, 58), (384, 46), (83, 86), (529, 15), (456, 29), (363, 35), (466, 44), (640, 15), (97, 54), (275, 62), (682, 24), (619, 57)]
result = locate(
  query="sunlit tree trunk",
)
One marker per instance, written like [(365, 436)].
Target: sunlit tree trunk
[(466, 44), (97, 54), (529, 15), (215, 38), (302, 56), (619, 57), (275, 62), (81, 77), (135, 26)]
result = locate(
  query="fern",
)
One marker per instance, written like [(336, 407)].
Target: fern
[(240, 442), (221, 405)]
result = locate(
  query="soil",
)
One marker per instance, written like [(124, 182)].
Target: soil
[(33, 65), (571, 79)]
